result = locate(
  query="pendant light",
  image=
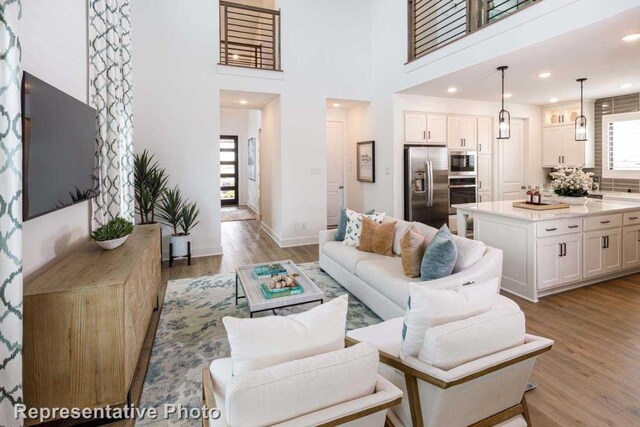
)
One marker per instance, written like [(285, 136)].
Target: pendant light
[(504, 118), (581, 120)]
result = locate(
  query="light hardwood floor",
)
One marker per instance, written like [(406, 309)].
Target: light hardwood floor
[(591, 377)]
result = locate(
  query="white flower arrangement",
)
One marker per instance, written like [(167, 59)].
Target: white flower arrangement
[(571, 182)]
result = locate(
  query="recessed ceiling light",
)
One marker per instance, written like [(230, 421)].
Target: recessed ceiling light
[(243, 101), (235, 56), (625, 86), (508, 95), (544, 75), (452, 90), (631, 37), (336, 104), (552, 100)]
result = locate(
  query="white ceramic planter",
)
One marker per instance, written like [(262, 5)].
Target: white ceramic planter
[(180, 245), (575, 201), (110, 245)]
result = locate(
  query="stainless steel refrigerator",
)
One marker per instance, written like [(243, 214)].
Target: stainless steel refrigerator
[(426, 185)]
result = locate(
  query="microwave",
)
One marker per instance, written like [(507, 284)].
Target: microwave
[(463, 163)]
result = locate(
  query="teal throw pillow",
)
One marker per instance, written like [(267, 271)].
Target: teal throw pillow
[(440, 256), (342, 223)]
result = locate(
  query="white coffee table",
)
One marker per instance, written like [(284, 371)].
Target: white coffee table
[(258, 303)]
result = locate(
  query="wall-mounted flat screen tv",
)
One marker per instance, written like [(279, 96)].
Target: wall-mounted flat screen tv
[(59, 146)]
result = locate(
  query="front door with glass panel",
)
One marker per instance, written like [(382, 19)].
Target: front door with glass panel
[(229, 170)]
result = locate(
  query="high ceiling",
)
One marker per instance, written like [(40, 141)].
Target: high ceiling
[(245, 100), (595, 52)]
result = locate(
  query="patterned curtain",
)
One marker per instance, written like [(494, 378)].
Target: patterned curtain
[(111, 95), (10, 213)]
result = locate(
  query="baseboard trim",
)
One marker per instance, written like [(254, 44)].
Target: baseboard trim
[(299, 241), (271, 233), (253, 209)]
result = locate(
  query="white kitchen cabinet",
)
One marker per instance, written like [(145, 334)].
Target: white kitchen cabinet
[(572, 150), (484, 172), (560, 115), (559, 260), (436, 129), (415, 128), (485, 135), (462, 133), (559, 147), (602, 252), (631, 247), (484, 196)]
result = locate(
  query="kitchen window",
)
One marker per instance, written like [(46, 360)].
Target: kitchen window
[(621, 145)]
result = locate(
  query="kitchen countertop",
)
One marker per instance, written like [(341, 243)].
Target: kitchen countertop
[(617, 195), (592, 207)]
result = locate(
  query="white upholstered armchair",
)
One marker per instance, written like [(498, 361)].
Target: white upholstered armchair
[(465, 374), (341, 387)]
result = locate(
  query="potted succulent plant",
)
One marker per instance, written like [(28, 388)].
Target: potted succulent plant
[(176, 212), (150, 182), (113, 234)]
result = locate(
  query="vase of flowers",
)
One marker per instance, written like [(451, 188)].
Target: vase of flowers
[(572, 185)]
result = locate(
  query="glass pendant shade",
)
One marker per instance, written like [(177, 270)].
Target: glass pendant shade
[(504, 126), (581, 120), (581, 128), (504, 118)]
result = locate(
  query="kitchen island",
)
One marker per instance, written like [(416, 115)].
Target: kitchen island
[(551, 251)]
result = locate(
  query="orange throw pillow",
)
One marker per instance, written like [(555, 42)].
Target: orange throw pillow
[(377, 238), (413, 245)]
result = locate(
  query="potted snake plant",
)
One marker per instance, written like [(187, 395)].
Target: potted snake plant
[(181, 216)]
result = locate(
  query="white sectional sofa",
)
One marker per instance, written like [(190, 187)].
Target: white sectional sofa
[(379, 281)]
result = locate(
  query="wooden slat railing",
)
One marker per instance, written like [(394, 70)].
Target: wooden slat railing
[(249, 36), (436, 23)]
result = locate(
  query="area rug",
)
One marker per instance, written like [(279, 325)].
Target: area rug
[(191, 335), (239, 213)]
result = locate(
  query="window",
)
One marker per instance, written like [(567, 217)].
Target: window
[(229, 170), (621, 145)]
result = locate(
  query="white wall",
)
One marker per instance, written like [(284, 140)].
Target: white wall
[(54, 48), (271, 171), (177, 102), (177, 81), (254, 123), (235, 122)]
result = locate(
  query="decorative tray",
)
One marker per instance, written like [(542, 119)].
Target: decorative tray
[(542, 207)]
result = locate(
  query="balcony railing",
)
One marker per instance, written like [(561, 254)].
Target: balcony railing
[(249, 36), (436, 23)]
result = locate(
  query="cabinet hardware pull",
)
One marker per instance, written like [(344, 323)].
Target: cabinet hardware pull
[(564, 249), (479, 147), (424, 134), (562, 159), (605, 222), (574, 226), (604, 242), (633, 217), (560, 245), (429, 134), (559, 159), (551, 229)]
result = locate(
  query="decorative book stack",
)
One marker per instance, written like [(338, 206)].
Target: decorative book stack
[(270, 293), (267, 271)]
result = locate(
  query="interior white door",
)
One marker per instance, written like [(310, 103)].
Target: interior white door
[(512, 163), (436, 129), (415, 128), (631, 247), (572, 150), (335, 172)]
